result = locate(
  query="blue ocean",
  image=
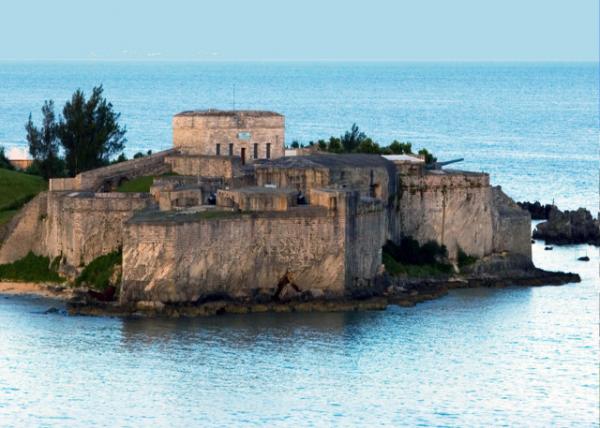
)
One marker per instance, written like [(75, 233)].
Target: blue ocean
[(483, 357)]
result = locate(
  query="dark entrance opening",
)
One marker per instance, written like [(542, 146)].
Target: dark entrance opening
[(243, 153)]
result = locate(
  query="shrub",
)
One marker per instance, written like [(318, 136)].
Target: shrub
[(410, 252), (464, 259), (412, 259), (97, 274), (31, 268)]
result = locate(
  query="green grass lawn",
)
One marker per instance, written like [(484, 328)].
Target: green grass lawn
[(140, 184), (16, 189)]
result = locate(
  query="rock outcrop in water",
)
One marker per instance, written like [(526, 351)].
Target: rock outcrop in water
[(537, 210), (569, 227)]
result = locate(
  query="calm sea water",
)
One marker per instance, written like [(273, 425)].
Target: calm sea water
[(512, 357), (533, 126)]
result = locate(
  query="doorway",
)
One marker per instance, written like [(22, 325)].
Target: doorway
[(243, 156)]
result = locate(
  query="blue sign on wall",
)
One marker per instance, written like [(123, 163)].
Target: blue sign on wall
[(244, 135)]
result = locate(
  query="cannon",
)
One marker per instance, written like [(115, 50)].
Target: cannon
[(439, 165)]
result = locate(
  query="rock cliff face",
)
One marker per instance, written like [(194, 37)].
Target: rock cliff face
[(569, 227)]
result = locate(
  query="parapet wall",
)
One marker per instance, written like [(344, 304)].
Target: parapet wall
[(109, 177), (257, 199), (205, 166)]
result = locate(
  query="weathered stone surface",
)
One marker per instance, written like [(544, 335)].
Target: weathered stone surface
[(257, 199), (453, 208), (110, 177), (79, 226), (200, 132), (186, 260)]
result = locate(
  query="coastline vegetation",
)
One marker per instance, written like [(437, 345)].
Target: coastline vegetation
[(415, 260), (31, 268), (356, 141), (463, 259), (98, 273)]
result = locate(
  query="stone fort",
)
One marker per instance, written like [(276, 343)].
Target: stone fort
[(228, 214)]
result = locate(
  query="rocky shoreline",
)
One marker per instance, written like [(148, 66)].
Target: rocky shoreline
[(563, 227), (405, 292), (496, 271)]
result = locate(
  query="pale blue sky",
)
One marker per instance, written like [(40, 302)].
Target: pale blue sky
[(300, 30)]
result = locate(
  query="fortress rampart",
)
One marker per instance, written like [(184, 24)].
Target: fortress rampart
[(225, 226)]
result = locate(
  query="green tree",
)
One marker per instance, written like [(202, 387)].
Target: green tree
[(429, 158), (352, 139), (4, 162), (368, 146), (295, 145), (43, 143), (335, 145), (399, 148), (89, 131)]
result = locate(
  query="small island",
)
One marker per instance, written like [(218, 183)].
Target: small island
[(228, 220)]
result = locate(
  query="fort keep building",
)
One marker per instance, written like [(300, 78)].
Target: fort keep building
[(228, 214)]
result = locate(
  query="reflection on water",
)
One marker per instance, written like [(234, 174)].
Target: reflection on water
[(515, 356)]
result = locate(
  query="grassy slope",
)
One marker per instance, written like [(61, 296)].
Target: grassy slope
[(16, 188), (140, 184)]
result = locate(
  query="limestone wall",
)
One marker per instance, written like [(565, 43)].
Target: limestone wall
[(365, 237), (452, 208), (376, 181), (79, 226), (82, 227), (257, 199), (326, 252), (235, 256), (301, 179), (511, 225), (109, 177), (205, 166), (200, 133)]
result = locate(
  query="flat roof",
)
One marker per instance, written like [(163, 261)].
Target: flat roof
[(330, 161), (229, 113), (263, 190), (404, 158)]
